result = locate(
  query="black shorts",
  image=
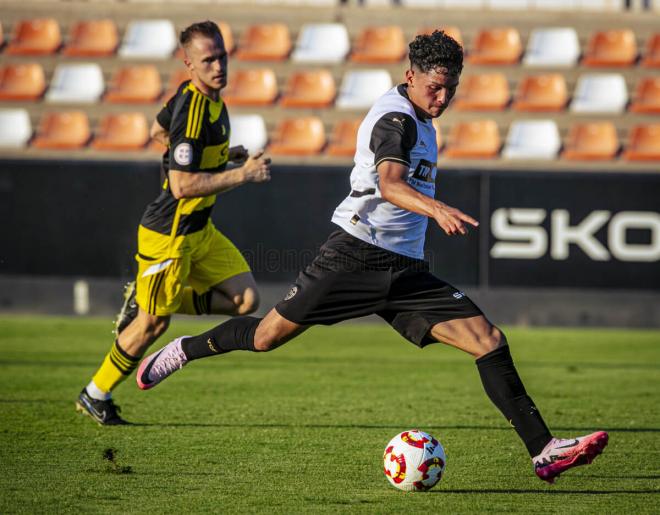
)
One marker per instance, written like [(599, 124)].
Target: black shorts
[(351, 278)]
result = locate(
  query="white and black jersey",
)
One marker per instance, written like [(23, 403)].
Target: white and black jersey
[(391, 131)]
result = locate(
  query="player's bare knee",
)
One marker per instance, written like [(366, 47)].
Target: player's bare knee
[(264, 343), (248, 302), (490, 339)]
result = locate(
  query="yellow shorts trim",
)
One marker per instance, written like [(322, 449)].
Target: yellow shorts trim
[(206, 259)]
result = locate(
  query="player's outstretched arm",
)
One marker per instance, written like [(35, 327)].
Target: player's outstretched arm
[(199, 184), (395, 189)]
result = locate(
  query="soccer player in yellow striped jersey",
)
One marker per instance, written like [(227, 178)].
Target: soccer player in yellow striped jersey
[(185, 265)]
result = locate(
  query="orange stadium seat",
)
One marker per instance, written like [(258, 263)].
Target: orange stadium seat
[(644, 143), (380, 45), (175, 80), (298, 137), (439, 141), (312, 88), (63, 130), (652, 55), (344, 138), (255, 87), (125, 131), (541, 93), (265, 42), (38, 36), (484, 92), (22, 82), (647, 96), (450, 30), (135, 84), (611, 48), (591, 141), (227, 36), (478, 139), (496, 46), (93, 38)]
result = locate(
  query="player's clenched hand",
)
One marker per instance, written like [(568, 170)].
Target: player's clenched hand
[(257, 168), (238, 154), (452, 220)]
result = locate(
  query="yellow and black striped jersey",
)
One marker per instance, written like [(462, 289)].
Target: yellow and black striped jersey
[(199, 132)]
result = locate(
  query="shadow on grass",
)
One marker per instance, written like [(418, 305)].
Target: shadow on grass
[(378, 426), (539, 491)]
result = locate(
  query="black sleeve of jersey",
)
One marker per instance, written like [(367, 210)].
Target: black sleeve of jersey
[(186, 147), (393, 137), (164, 117)]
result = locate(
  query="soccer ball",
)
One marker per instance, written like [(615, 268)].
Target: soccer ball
[(414, 461)]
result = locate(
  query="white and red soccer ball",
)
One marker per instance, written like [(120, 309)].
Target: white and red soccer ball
[(414, 461)]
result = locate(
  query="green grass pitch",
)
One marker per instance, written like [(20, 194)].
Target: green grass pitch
[(302, 429)]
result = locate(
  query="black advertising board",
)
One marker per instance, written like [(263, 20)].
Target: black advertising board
[(574, 230), (538, 229)]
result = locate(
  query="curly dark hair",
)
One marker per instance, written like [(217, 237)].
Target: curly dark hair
[(438, 50), (206, 28)]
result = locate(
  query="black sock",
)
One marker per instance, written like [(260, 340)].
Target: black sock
[(234, 334), (505, 389)]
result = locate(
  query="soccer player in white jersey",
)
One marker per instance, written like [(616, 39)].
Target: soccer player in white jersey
[(374, 262)]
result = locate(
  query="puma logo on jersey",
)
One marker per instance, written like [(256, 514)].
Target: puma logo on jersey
[(397, 120)]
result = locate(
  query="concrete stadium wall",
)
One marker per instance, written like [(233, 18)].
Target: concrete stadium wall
[(553, 248)]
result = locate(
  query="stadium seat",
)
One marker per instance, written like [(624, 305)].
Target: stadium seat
[(256, 87), (39, 36), (422, 3), (552, 46), (22, 82), (519, 5), (360, 88), (265, 42), (248, 130), (450, 30), (647, 96), (600, 93), (125, 131), (591, 141), (532, 139), (311, 88), (15, 128), (176, 78), (76, 83), (484, 92), (496, 46), (298, 137), (652, 54), (464, 4), (344, 138), (64, 130), (149, 39), (227, 36), (644, 143), (135, 84), (541, 93), (380, 45), (477, 139), (322, 43), (92, 38), (611, 48)]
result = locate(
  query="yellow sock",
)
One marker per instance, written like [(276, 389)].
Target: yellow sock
[(193, 304), (116, 367)]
